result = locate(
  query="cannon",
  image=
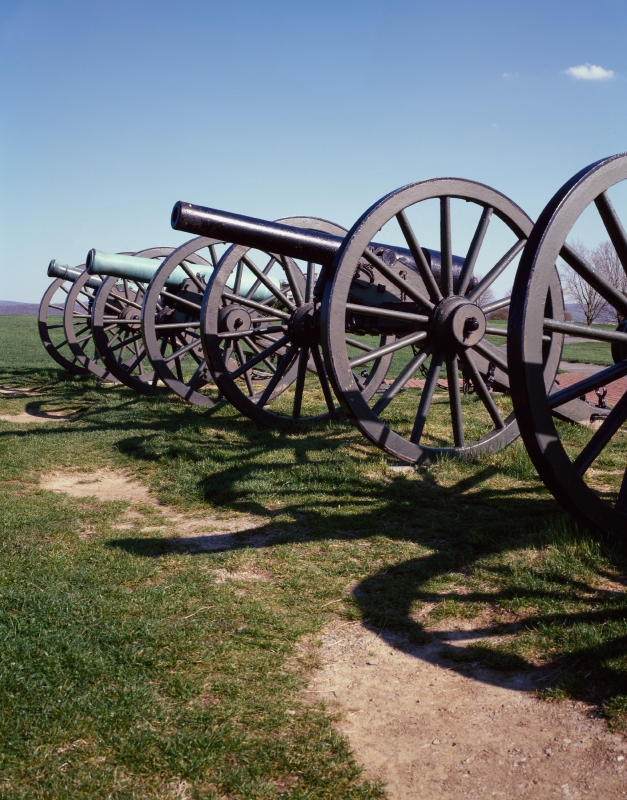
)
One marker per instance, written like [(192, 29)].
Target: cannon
[(67, 334), (165, 337), (116, 314), (359, 305), (176, 314)]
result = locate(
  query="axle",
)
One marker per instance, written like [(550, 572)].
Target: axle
[(275, 237)]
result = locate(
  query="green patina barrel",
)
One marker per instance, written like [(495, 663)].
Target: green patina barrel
[(136, 268), (56, 270)]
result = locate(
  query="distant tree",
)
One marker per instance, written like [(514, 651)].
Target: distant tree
[(489, 297), (590, 302), (606, 262)]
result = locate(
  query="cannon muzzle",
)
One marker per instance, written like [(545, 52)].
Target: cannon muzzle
[(56, 270), (276, 237), (135, 268)]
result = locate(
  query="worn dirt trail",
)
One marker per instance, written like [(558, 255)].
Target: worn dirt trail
[(428, 731), (193, 532)]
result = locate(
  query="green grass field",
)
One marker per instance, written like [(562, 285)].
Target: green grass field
[(128, 669)]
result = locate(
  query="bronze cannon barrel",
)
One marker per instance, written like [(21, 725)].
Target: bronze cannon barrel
[(276, 237)]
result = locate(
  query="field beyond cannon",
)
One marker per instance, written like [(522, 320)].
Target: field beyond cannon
[(193, 606)]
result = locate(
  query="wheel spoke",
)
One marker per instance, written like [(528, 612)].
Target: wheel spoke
[(457, 421), (179, 371), (176, 326), (496, 270), (201, 370), (244, 301), (266, 282), (252, 332), (249, 383), (401, 379), (388, 313), (396, 279), (292, 279), (311, 279), (138, 361), (481, 389), (263, 354), (427, 396), (193, 277), (446, 255), (613, 226), (602, 436), (180, 300), (124, 342), (356, 343), (621, 503), (388, 348), (490, 307), (589, 384), (255, 349), (284, 363), (419, 257), (493, 354), (599, 284), (299, 389), (322, 377), (473, 251), (585, 331), (182, 351), (257, 283)]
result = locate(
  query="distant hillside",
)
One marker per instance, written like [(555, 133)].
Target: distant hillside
[(11, 307)]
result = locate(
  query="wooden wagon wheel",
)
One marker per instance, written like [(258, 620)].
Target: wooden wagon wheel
[(78, 326), (261, 336), (440, 324), (589, 480), (116, 318), (51, 327), (171, 321)]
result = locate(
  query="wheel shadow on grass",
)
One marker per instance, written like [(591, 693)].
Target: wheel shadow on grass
[(509, 592)]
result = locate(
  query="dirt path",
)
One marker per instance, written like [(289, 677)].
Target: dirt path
[(29, 417), (430, 732), (191, 532)]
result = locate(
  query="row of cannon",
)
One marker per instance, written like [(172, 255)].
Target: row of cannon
[(299, 319)]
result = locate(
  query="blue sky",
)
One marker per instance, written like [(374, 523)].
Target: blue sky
[(111, 111)]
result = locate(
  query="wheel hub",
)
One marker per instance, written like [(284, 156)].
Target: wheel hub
[(132, 316), (234, 318), (303, 325), (459, 323)]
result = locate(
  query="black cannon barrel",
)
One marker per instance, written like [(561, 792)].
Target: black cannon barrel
[(250, 232), (276, 237)]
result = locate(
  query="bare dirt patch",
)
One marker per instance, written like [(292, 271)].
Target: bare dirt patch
[(26, 417), (12, 391), (189, 532), (429, 731)]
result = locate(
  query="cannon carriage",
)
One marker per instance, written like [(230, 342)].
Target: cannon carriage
[(366, 304)]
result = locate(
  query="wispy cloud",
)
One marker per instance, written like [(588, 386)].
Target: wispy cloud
[(590, 72), (510, 74)]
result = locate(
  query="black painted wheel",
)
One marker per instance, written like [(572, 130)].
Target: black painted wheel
[(171, 321), (585, 473), (436, 314), (261, 335), (116, 318), (78, 326), (51, 327)]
